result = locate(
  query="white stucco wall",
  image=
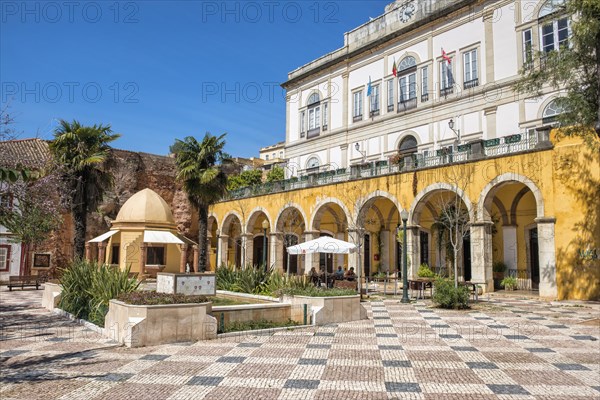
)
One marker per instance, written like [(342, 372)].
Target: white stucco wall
[(505, 43)]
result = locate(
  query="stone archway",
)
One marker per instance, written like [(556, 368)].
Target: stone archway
[(527, 241), (290, 226)]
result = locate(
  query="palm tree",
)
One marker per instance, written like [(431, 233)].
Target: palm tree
[(84, 153), (199, 167)]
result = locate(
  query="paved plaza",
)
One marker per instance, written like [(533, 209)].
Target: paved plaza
[(504, 348)]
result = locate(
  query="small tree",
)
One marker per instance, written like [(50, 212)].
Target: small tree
[(453, 219), (247, 178), (33, 211), (275, 174)]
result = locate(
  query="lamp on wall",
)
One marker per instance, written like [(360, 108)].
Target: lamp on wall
[(456, 131), (265, 226), (362, 153)]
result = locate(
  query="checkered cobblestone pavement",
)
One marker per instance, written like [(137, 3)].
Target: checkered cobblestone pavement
[(504, 348)]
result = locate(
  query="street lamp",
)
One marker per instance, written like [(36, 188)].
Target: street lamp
[(456, 132), (362, 153), (404, 216), (218, 240), (265, 225)]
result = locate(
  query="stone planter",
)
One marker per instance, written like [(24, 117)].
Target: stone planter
[(329, 310), (51, 295), (199, 284), (140, 325)]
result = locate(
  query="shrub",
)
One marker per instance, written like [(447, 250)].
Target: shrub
[(248, 280), (425, 271), (447, 296), (499, 267), (509, 283), (313, 291), (88, 288), (151, 298)]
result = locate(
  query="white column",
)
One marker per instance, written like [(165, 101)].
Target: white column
[(275, 250), (223, 250), (345, 162), (311, 260), (481, 255), (384, 257), (547, 257), (413, 252), (509, 239), (248, 250), (353, 257)]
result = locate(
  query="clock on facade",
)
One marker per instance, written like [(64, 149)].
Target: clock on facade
[(407, 11)]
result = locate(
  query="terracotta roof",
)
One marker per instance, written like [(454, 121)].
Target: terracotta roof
[(33, 153)]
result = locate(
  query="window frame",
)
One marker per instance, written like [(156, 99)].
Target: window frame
[(473, 68), (390, 94), (424, 83), (527, 48), (446, 87), (357, 94), (375, 99), (112, 253), (164, 255), (6, 266), (555, 30)]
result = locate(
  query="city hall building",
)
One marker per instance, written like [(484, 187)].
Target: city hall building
[(415, 111)]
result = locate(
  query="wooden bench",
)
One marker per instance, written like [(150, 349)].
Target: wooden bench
[(22, 281)]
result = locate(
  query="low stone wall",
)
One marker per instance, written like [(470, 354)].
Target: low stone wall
[(252, 298), (51, 295), (328, 310), (256, 312), (138, 325)]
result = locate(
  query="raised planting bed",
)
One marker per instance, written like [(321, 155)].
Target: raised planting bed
[(137, 325), (276, 313)]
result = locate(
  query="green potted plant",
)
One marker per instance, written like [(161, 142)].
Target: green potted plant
[(509, 283), (498, 269), (425, 272)]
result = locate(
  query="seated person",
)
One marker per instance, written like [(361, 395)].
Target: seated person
[(350, 275), (314, 276), (339, 274)]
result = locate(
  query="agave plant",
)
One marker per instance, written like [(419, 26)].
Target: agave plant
[(107, 283)]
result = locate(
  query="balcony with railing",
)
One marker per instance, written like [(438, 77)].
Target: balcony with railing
[(327, 174), (408, 104)]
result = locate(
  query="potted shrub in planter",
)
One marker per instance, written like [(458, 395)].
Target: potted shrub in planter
[(509, 283), (498, 269)]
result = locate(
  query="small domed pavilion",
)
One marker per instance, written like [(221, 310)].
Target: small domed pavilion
[(144, 236)]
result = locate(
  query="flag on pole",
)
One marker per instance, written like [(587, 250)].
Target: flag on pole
[(448, 68), (395, 68), (445, 56), (369, 87)]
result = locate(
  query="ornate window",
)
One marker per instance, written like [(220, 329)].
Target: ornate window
[(551, 112), (312, 163), (408, 145)]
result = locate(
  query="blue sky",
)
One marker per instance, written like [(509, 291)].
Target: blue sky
[(156, 71)]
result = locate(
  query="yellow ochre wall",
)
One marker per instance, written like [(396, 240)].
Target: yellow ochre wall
[(567, 176)]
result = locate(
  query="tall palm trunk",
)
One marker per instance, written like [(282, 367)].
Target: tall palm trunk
[(202, 239), (80, 222)]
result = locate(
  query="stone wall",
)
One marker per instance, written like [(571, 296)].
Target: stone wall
[(132, 172)]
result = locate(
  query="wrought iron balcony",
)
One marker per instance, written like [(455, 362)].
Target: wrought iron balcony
[(328, 174), (405, 105)]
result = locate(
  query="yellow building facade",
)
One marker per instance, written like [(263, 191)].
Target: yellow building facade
[(536, 210)]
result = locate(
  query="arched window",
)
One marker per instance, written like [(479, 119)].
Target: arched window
[(314, 98), (550, 7), (408, 145), (407, 82), (551, 112), (312, 163), (406, 63)]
